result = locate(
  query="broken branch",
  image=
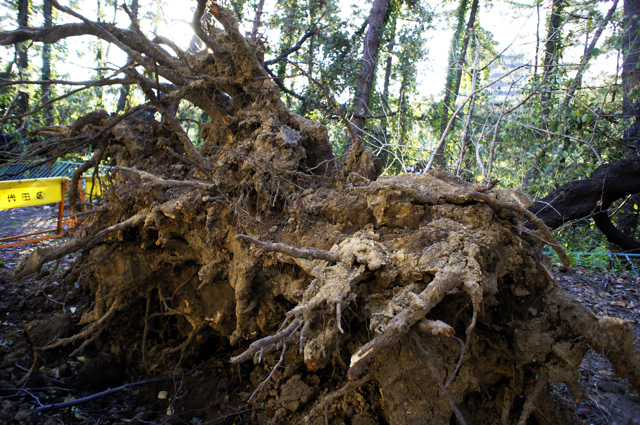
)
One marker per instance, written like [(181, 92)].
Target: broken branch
[(311, 254)]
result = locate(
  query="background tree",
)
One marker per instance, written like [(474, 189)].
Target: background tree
[(47, 12), (631, 105)]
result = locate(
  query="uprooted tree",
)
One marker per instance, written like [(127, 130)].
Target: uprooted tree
[(426, 296)]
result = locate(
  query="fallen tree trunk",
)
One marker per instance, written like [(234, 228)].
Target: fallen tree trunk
[(592, 197)]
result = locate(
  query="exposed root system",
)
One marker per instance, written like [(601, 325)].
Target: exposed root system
[(415, 298)]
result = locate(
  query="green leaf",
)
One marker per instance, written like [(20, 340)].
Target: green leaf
[(595, 52)]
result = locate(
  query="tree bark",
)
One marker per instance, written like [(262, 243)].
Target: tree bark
[(452, 85), (23, 56), (124, 90), (631, 77), (46, 65), (553, 47), (630, 103), (257, 20), (592, 196), (368, 64)]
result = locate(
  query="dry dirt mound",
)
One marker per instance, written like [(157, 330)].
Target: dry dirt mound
[(408, 298), (318, 293)]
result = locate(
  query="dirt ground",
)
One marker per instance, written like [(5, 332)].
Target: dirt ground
[(213, 390)]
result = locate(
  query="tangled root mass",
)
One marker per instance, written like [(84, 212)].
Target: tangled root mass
[(423, 297)]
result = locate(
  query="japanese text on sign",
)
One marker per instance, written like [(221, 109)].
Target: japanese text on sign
[(25, 193)]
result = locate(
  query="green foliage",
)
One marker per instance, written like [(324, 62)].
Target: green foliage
[(546, 141)]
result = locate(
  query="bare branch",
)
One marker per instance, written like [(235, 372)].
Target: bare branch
[(189, 149), (93, 83), (312, 254), (282, 87), (311, 32), (136, 220), (443, 137), (157, 180), (103, 82)]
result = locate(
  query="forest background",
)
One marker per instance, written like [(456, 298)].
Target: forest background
[(527, 93), (260, 197)]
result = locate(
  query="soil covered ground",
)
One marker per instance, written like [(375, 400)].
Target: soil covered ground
[(211, 389)]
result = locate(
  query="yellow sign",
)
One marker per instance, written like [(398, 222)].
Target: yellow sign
[(26, 193)]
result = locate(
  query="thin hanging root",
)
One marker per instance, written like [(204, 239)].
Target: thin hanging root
[(507, 401), (528, 406), (268, 378), (475, 292), (465, 347), (182, 347), (95, 328), (36, 358), (346, 389), (339, 316), (84, 345), (164, 182), (311, 254), (267, 342), (436, 375), (146, 332)]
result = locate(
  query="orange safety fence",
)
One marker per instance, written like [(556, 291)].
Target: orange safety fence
[(32, 192)]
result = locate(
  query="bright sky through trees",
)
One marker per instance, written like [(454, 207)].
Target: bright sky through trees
[(512, 27)]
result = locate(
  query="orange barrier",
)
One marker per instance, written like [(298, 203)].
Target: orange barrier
[(24, 193)]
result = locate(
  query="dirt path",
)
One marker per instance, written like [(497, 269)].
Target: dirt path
[(19, 221), (609, 401)]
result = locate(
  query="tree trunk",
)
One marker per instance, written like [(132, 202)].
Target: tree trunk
[(368, 63), (124, 90), (631, 77), (46, 65), (452, 85), (553, 47), (257, 20), (631, 104), (22, 105), (582, 198), (387, 77), (466, 138)]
